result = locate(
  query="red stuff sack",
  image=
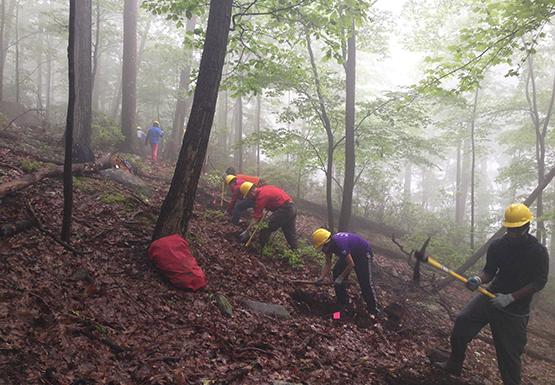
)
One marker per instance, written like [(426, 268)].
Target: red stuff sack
[(173, 258)]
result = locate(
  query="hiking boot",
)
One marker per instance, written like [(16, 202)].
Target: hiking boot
[(449, 367)]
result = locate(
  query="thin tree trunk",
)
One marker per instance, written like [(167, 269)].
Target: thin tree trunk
[(96, 46), (407, 182), (349, 180), (129, 74), (257, 120), (459, 205), (5, 24), (83, 42), (473, 167), (48, 79), (238, 157), (39, 69), (17, 99), (177, 208), (323, 114), (181, 104), (73, 72)]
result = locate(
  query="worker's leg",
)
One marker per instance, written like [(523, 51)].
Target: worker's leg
[(509, 336), (240, 207), (340, 290), (363, 269), (275, 221), (288, 227), (155, 152), (468, 324)]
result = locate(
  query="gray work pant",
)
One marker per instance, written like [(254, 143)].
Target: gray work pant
[(240, 207), (508, 331), (284, 217)]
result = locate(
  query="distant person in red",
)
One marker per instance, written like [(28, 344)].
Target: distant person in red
[(238, 205), (153, 136), (284, 212)]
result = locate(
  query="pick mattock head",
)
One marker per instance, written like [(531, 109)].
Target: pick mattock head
[(421, 254)]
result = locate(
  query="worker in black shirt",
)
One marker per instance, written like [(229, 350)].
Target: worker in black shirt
[(518, 265)]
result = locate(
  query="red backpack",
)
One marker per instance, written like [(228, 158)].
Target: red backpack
[(173, 258)]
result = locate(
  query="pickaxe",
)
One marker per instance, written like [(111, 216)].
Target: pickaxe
[(421, 256)]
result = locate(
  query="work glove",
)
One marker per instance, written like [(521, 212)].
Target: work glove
[(338, 281), (473, 283), (502, 300), (244, 236)]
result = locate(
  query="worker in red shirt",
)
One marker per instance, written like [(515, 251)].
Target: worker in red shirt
[(237, 205), (283, 210)]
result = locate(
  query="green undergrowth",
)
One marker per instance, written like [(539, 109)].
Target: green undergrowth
[(113, 197), (278, 248), (214, 214), (84, 184), (29, 165)]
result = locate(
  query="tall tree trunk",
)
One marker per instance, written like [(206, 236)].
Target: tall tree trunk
[(540, 129), (5, 24), (96, 51), (73, 73), (177, 208), (238, 157), (257, 122), (39, 68), (473, 167), (83, 42), (323, 114), (48, 79), (182, 102), (16, 28), (349, 180), (407, 182), (459, 205), (129, 74)]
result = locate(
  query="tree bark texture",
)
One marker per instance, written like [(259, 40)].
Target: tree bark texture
[(177, 208), (5, 24), (349, 177), (129, 74), (473, 167), (83, 87), (67, 172)]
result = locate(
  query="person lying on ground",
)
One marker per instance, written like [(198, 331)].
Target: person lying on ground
[(518, 265), (352, 251), (284, 212)]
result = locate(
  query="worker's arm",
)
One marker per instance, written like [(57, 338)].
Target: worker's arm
[(348, 267), (326, 268), (485, 277), (539, 278)]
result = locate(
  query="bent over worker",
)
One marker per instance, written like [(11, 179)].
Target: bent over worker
[(284, 212), (518, 265), (352, 251), (238, 205)]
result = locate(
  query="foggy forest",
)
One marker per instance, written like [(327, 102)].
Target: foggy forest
[(277, 192)]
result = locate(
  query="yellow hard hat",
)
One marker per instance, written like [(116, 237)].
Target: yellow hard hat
[(517, 215), (245, 188), (229, 178), (320, 237)]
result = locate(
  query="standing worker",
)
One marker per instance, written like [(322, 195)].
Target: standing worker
[(352, 251), (518, 265), (153, 137), (284, 212), (237, 205)]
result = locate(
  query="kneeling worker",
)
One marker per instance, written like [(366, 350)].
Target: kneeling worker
[(238, 205), (353, 251), (284, 212)]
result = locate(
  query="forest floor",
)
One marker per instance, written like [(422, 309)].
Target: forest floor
[(104, 315)]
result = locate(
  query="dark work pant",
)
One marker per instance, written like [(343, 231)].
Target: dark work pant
[(240, 207), (508, 331), (363, 270), (284, 218)]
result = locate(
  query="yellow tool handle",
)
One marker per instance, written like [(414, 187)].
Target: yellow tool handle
[(432, 262), (255, 229), (222, 196)]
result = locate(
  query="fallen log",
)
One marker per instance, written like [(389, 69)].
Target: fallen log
[(16, 227), (53, 171)]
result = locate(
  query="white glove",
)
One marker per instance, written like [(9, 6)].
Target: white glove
[(502, 300)]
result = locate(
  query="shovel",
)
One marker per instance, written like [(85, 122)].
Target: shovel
[(421, 256)]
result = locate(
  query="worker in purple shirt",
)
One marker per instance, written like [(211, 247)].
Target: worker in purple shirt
[(153, 136), (352, 251)]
